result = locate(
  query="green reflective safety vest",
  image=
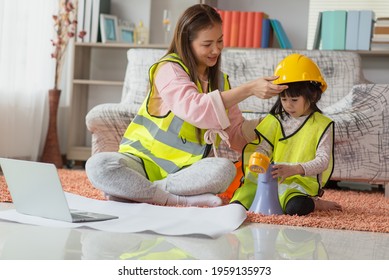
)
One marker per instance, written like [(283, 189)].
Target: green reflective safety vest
[(299, 147), (157, 249), (294, 244), (165, 143)]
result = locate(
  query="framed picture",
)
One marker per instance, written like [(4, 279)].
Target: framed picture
[(126, 34), (109, 28)]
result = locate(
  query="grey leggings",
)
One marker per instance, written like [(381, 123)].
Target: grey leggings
[(123, 176)]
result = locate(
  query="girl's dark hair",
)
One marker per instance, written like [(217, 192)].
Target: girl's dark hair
[(311, 92), (194, 19)]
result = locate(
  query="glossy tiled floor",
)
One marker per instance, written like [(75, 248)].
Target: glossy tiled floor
[(250, 241)]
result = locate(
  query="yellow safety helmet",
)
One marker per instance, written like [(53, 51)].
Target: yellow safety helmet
[(298, 68)]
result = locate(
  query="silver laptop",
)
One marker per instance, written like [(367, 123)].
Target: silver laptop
[(36, 190)]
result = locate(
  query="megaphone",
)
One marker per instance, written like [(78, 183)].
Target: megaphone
[(266, 197)]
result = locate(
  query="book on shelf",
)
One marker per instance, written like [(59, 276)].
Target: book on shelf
[(227, 24), (235, 21), (317, 38), (250, 29), (333, 30), (344, 30), (80, 19), (258, 20), (87, 20), (366, 19), (266, 34), (98, 7), (242, 29), (379, 45), (382, 21), (380, 38), (379, 42), (352, 30), (280, 34), (380, 32)]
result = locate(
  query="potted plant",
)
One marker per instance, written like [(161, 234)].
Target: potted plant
[(65, 25)]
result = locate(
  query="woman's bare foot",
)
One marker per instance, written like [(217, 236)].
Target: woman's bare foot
[(326, 205)]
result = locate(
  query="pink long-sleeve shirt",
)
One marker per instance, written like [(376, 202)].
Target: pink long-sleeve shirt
[(178, 94)]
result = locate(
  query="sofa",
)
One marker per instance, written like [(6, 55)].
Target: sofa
[(359, 108)]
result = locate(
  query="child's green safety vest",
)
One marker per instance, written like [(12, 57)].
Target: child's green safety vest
[(297, 148)]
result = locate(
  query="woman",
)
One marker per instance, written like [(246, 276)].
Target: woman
[(164, 157)]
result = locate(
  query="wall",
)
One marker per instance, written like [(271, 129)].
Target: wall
[(132, 10), (175, 7)]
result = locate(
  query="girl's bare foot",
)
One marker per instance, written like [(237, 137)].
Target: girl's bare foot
[(326, 205)]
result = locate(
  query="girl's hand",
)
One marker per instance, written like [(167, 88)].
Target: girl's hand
[(284, 171)]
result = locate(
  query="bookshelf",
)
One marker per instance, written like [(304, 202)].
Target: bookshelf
[(374, 53)]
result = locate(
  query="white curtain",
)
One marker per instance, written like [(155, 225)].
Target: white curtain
[(26, 75)]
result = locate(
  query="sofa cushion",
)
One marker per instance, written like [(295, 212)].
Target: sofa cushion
[(136, 78)]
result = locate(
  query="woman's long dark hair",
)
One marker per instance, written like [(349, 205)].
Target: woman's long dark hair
[(196, 18), (311, 92)]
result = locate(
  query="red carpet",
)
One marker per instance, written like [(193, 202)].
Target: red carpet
[(362, 211)]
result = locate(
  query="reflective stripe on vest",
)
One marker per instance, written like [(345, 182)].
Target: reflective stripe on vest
[(164, 143)]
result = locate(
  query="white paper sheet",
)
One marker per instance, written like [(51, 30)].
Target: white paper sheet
[(138, 217)]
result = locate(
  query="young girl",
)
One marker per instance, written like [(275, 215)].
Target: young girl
[(299, 140), (164, 154)]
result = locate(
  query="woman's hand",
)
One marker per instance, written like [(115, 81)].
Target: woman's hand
[(261, 88), (265, 89), (284, 171)]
